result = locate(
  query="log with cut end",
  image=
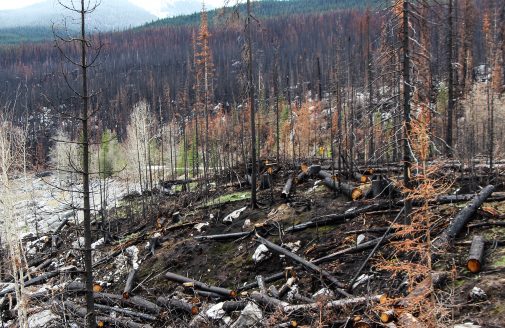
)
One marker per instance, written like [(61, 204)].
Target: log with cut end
[(347, 189), (462, 218), (136, 302), (129, 284), (308, 265), (200, 285), (268, 301), (476, 256), (310, 171), (286, 191), (177, 304), (387, 316), (361, 177)]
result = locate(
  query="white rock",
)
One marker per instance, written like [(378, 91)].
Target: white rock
[(477, 294), (324, 292), (360, 239), (200, 226), (97, 243), (260, 254), (247, 224), (234, 215), (216, 311), (294, 247), (249, 317), (41, 319), (361, 279), (292, 292)]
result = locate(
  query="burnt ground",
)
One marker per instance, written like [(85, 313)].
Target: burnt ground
[(229, 264)]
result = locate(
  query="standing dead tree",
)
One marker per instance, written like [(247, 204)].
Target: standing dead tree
[(84, 62)]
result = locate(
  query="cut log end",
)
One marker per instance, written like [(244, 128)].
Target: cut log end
[(194, 310), (476, 256), (97, 288), (387, 316), (356, 194), (100, 324), (473, 265)]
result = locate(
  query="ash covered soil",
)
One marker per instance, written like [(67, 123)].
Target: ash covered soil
[(125, 233)]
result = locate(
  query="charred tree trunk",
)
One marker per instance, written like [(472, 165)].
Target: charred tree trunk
[(462, 218)]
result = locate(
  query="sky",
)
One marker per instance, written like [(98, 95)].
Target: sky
[(153, 6)]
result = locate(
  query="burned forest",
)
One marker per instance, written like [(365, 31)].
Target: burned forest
[(265, 164)]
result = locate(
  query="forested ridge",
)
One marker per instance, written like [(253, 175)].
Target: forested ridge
[(277, 164), (156, 64)]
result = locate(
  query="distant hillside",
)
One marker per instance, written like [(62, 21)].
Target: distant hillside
[(265, 9), (34, 23)]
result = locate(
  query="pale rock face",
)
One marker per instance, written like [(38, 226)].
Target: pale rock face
[(260, 254)]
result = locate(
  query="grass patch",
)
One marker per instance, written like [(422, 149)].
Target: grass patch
[(229, 198), (500, 262)]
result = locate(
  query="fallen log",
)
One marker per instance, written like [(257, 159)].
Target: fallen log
[(476, 256), (261, 284), (230, 306), (34, 281), (286, 287), (81, 312), (204, 294), (361, 177), (308, 265), (279, 275), (226, 236), (177, 304), (341, 218), (311, 170), (126, 312), (356, 275), (338, 304), (268, 301), (129, 284), (200, 285), (289, 324), (136, 302), (286, 191), (347, 189), (446, 239)]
